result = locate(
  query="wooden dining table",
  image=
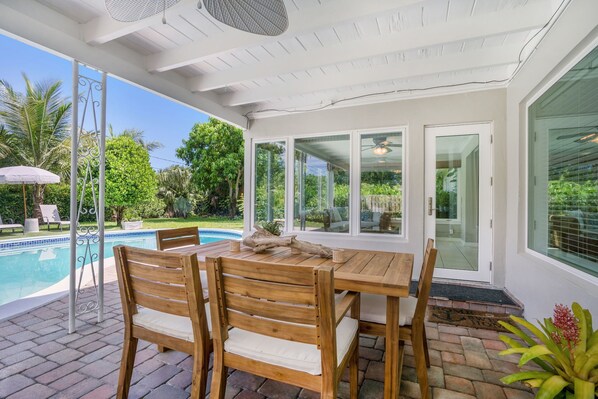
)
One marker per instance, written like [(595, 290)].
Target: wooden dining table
[(373, 272)]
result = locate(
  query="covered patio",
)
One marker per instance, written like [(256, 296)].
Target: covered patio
[(40, 359), (368, 125)]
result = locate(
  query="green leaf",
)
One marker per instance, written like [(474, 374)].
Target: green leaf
[(554, 348), (526, 375), (544, 362), (513, 329), (578, 311), (510, 351), (551, 387), (590, 364), (534, 352), (510, 341), (580, 360), (583, 389), (534, 383)]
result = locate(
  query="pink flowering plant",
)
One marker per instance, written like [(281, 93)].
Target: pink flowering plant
[(565, 347)]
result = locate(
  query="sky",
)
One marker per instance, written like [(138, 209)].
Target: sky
[(127, 106)]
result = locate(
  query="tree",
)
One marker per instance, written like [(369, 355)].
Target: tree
[(130, 178), (214, 152), (35, 129), (137, 136), (175, 183)]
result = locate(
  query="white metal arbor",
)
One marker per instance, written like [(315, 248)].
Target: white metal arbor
[(87, 192)]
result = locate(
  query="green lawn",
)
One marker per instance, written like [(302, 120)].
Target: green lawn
[(162, 223)]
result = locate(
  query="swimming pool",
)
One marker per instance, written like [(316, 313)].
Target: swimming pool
[(29, 266)]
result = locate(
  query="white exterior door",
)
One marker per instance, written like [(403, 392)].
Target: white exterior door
[(458, 209)]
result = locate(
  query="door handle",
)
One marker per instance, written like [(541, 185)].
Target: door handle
[(430, 209)]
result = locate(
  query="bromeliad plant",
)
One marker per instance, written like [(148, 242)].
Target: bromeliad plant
[(565, 347)]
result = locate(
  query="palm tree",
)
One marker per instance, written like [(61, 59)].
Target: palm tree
[(174, 184), (137, 136), (36, 125)]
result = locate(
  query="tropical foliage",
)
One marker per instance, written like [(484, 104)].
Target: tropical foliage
[(130, 178), (34, 130), (565, 347), (175, 185), (215, 154)]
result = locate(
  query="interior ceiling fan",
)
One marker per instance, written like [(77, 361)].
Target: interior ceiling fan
[(262, 17), (381, 146), (588, 136)]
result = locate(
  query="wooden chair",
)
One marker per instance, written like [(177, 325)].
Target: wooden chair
[(411, 318), (176, 238), (162, 304), (284, 325)]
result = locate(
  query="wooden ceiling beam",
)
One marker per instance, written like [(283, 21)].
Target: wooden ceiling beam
[(531, 16), (484, 58), (306, 20), (104, 29)]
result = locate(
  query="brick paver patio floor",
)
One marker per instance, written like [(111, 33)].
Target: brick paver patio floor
[(39, 359)]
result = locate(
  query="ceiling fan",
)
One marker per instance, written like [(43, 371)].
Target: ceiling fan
[(381, 146), (262, 17)]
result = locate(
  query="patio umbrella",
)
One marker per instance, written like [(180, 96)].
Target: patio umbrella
[(26, 175)]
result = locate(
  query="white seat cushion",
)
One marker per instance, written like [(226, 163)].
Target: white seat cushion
[(168, 324), (293, 355), (203, 276), (373, 308)]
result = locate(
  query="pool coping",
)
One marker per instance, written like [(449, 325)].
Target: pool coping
[(55, 239), (60, 289)]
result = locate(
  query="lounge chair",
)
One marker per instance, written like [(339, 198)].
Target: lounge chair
[(10, 225), (50, 216)]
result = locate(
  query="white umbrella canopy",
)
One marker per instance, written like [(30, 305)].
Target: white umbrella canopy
[(26, 175)]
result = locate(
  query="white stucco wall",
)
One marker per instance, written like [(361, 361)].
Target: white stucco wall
[(481, 106), (536, 281)]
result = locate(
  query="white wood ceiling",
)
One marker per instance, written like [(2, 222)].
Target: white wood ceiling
[(345, 50)]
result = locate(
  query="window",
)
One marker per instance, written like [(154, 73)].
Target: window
[(563, 168), (270, 180), (381, 183), (322, 170)]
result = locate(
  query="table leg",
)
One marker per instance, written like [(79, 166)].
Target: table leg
[(392, 363)]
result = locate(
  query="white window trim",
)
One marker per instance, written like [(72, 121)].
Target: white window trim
[(291, 194), (254, 144), (354, 184), (569, 269), (357, 177)]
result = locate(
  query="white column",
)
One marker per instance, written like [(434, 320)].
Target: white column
[(101, 203), (73, 213)]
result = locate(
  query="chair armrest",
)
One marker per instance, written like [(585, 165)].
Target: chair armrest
[(349, 301)]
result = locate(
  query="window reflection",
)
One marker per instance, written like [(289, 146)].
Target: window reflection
[(322, 170)]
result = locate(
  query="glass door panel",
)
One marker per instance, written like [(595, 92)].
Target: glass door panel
[(458, 201)]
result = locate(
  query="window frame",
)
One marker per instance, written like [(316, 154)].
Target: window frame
[(354, 183), (254, 145), (291, 195), (527, 158), (356, 205)]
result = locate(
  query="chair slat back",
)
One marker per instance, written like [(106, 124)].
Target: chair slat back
[(176, 238), (280, 301), (156, 280), (425, 282)]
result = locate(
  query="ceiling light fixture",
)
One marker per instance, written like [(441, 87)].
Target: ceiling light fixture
[(380, 150)]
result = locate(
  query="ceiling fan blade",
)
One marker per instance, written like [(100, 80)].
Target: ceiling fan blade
[(130, 11), (262, 17), (578, 134)]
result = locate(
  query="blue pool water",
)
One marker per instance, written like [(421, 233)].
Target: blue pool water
[(28, 266)]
